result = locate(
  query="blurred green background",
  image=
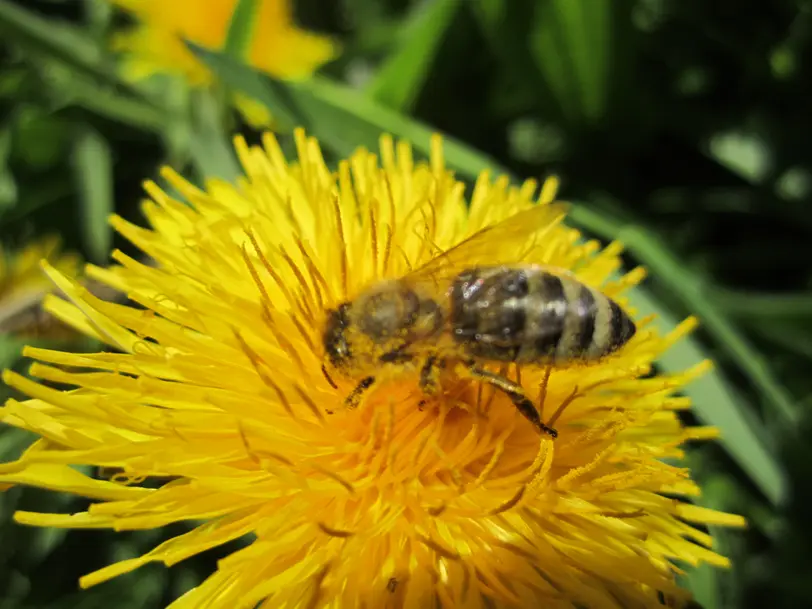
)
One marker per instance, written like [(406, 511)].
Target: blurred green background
[(681, 127)]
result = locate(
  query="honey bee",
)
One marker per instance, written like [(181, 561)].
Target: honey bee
[(461, 308)]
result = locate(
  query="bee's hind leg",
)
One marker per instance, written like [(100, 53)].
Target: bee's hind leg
[(516, 394)]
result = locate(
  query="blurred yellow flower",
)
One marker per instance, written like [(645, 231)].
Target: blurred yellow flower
[(277, 46), (23, 286), (217, 384)]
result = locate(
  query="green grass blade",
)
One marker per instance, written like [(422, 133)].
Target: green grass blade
[(347, 118), (238, 77), (81, 69), (715, 588), (574, 43), (54, 39), (758, 305), (241, 28), (789, 336), (665, 266), (128, 110), (11, 350), (211, 151), (37, 196), (702, 581), (8, 186), (344, 119), (506, 25), (93, 169), (98, 16), (61, 41), (714, 401), (399, 80)]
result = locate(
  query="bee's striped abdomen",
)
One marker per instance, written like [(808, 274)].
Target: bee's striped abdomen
[(529, 315), (578, 320), (488, 311), (547, 308)]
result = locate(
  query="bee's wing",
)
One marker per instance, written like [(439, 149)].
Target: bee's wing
[(514, 238)]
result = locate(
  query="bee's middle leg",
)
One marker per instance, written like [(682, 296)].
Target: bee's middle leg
[(354, 398), (430, 375), (516, 394)]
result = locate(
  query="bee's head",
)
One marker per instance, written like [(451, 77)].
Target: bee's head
[(336, 346)]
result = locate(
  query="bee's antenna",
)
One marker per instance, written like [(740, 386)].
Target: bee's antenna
[(327, 376)]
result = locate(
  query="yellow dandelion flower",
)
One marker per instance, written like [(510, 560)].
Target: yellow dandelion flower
[(215, 381), (22, 287), (277, 46)]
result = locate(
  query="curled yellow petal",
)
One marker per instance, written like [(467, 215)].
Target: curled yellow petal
[(59, 477)]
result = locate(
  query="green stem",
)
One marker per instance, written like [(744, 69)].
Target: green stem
[(762, 304)]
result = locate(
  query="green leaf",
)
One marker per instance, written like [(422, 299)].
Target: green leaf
[(715, 405), (103, 101), (758, 305), (44, 543), (36, 196), (715, 402), (711, 585), (241, 28), (574, 44), (238, 77), (703, 582), (92, 164), (99, 15), (697, 298), (787, 335), (506, 26), (41, 138), (57, 40), (344, 119), (399, 80), (88, 77), (212, 152), (11, 349), (16, 83), (8, 186)]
